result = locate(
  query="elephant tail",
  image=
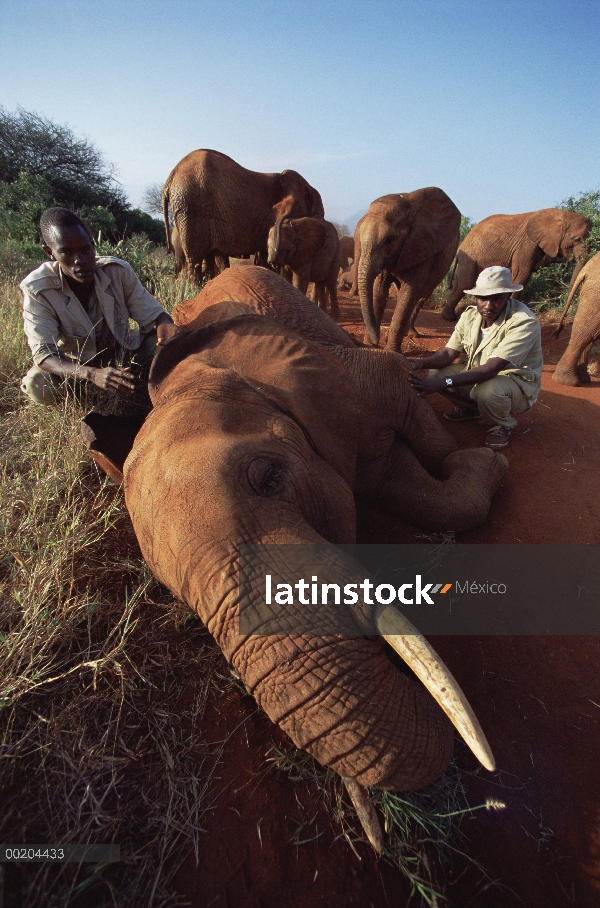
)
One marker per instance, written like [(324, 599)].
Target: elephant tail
[(574, 288), (165, 208), (452, 272)]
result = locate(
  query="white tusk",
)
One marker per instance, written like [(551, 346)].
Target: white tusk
[(414, 649), (365, 810)]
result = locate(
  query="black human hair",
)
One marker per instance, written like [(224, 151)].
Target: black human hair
[(55, 218)]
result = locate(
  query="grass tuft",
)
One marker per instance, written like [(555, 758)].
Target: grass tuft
[(422, 828)]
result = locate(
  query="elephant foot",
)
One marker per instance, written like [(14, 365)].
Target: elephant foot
[(367, 341), (477, 473), (449, 314), (567, 377)]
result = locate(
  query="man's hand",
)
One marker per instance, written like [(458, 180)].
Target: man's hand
[(425, 386), (415, 363), (165, 332), (111, 379)]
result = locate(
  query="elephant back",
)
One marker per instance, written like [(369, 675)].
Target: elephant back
[(265, 293)]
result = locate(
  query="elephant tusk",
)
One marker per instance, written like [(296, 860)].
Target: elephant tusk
[(414, 649), (366, 813)]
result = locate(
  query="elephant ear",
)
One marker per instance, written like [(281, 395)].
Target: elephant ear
[(297, 196), (435, 225), (545, 228), (299, 379)]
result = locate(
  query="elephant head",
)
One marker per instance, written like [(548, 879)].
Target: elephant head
[(297, 199), (560, 234), (253, 439), (398, 233), (291, 237)]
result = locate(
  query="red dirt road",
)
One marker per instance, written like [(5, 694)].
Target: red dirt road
[(538, 699)]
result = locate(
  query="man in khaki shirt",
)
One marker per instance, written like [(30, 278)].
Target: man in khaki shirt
[(76, 312), (502, 375)]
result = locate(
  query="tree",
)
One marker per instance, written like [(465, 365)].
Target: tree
[(466, 224), (587, 204), (74, 168), (342, 229), (152, 199)]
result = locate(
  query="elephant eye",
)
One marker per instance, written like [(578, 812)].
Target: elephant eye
[(266, 475)]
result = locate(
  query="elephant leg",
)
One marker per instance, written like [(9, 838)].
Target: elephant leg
[(301, 280), (221, 262), (412, 331), (465, 278), (321, 293), (391, 409), (572, 367), (381, 289), (407, 306), (459, 501), (331, 288)]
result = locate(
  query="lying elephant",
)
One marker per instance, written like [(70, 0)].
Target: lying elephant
[(268, 422)]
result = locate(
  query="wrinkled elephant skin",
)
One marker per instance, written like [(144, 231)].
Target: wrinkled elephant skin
[(220, 209), (268, 422)]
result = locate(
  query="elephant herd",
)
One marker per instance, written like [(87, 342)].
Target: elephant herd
[(221, 210)]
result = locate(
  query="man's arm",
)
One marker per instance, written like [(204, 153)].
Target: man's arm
[(475, 376), (110, 379), (438, 360), (166, 329)]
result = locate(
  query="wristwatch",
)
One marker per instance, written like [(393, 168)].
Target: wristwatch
[(449, 381)]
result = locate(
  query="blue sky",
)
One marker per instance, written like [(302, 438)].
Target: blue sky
[(496, 102)]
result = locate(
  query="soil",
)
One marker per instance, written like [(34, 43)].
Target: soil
[(538, 699)]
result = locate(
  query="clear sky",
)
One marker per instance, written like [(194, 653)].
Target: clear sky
[(497, 102)]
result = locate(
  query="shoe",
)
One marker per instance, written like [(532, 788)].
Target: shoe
[(459, 414), (497, 437)]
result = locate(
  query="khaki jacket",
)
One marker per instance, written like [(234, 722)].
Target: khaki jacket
[(515, 336), (55, 320)]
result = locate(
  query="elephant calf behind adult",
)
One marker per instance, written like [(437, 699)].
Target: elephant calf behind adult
[(519, 242), (310, 247), (410, 238), (222, 209)]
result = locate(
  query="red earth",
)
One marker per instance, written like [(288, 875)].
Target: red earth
[(270, 842)]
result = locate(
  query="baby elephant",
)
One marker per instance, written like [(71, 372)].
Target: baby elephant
[(311, 249)]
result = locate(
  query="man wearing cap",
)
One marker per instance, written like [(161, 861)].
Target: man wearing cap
[(501, 378)]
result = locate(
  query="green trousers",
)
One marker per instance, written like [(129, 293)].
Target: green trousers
[(498, 400)]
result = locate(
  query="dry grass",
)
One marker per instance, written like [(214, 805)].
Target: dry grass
[(422, 828), (103, 679)]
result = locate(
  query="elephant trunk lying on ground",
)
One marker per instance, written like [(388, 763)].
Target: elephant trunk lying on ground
[(267, 423)]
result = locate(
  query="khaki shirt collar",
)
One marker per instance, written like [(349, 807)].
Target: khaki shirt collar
[(477, 347), (106, 301)]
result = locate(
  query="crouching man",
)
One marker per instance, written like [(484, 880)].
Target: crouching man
[(502, 375), (76, 313)]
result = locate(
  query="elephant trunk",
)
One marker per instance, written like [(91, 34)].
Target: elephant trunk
[(581, 259), (367, 272), (275, 243)]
